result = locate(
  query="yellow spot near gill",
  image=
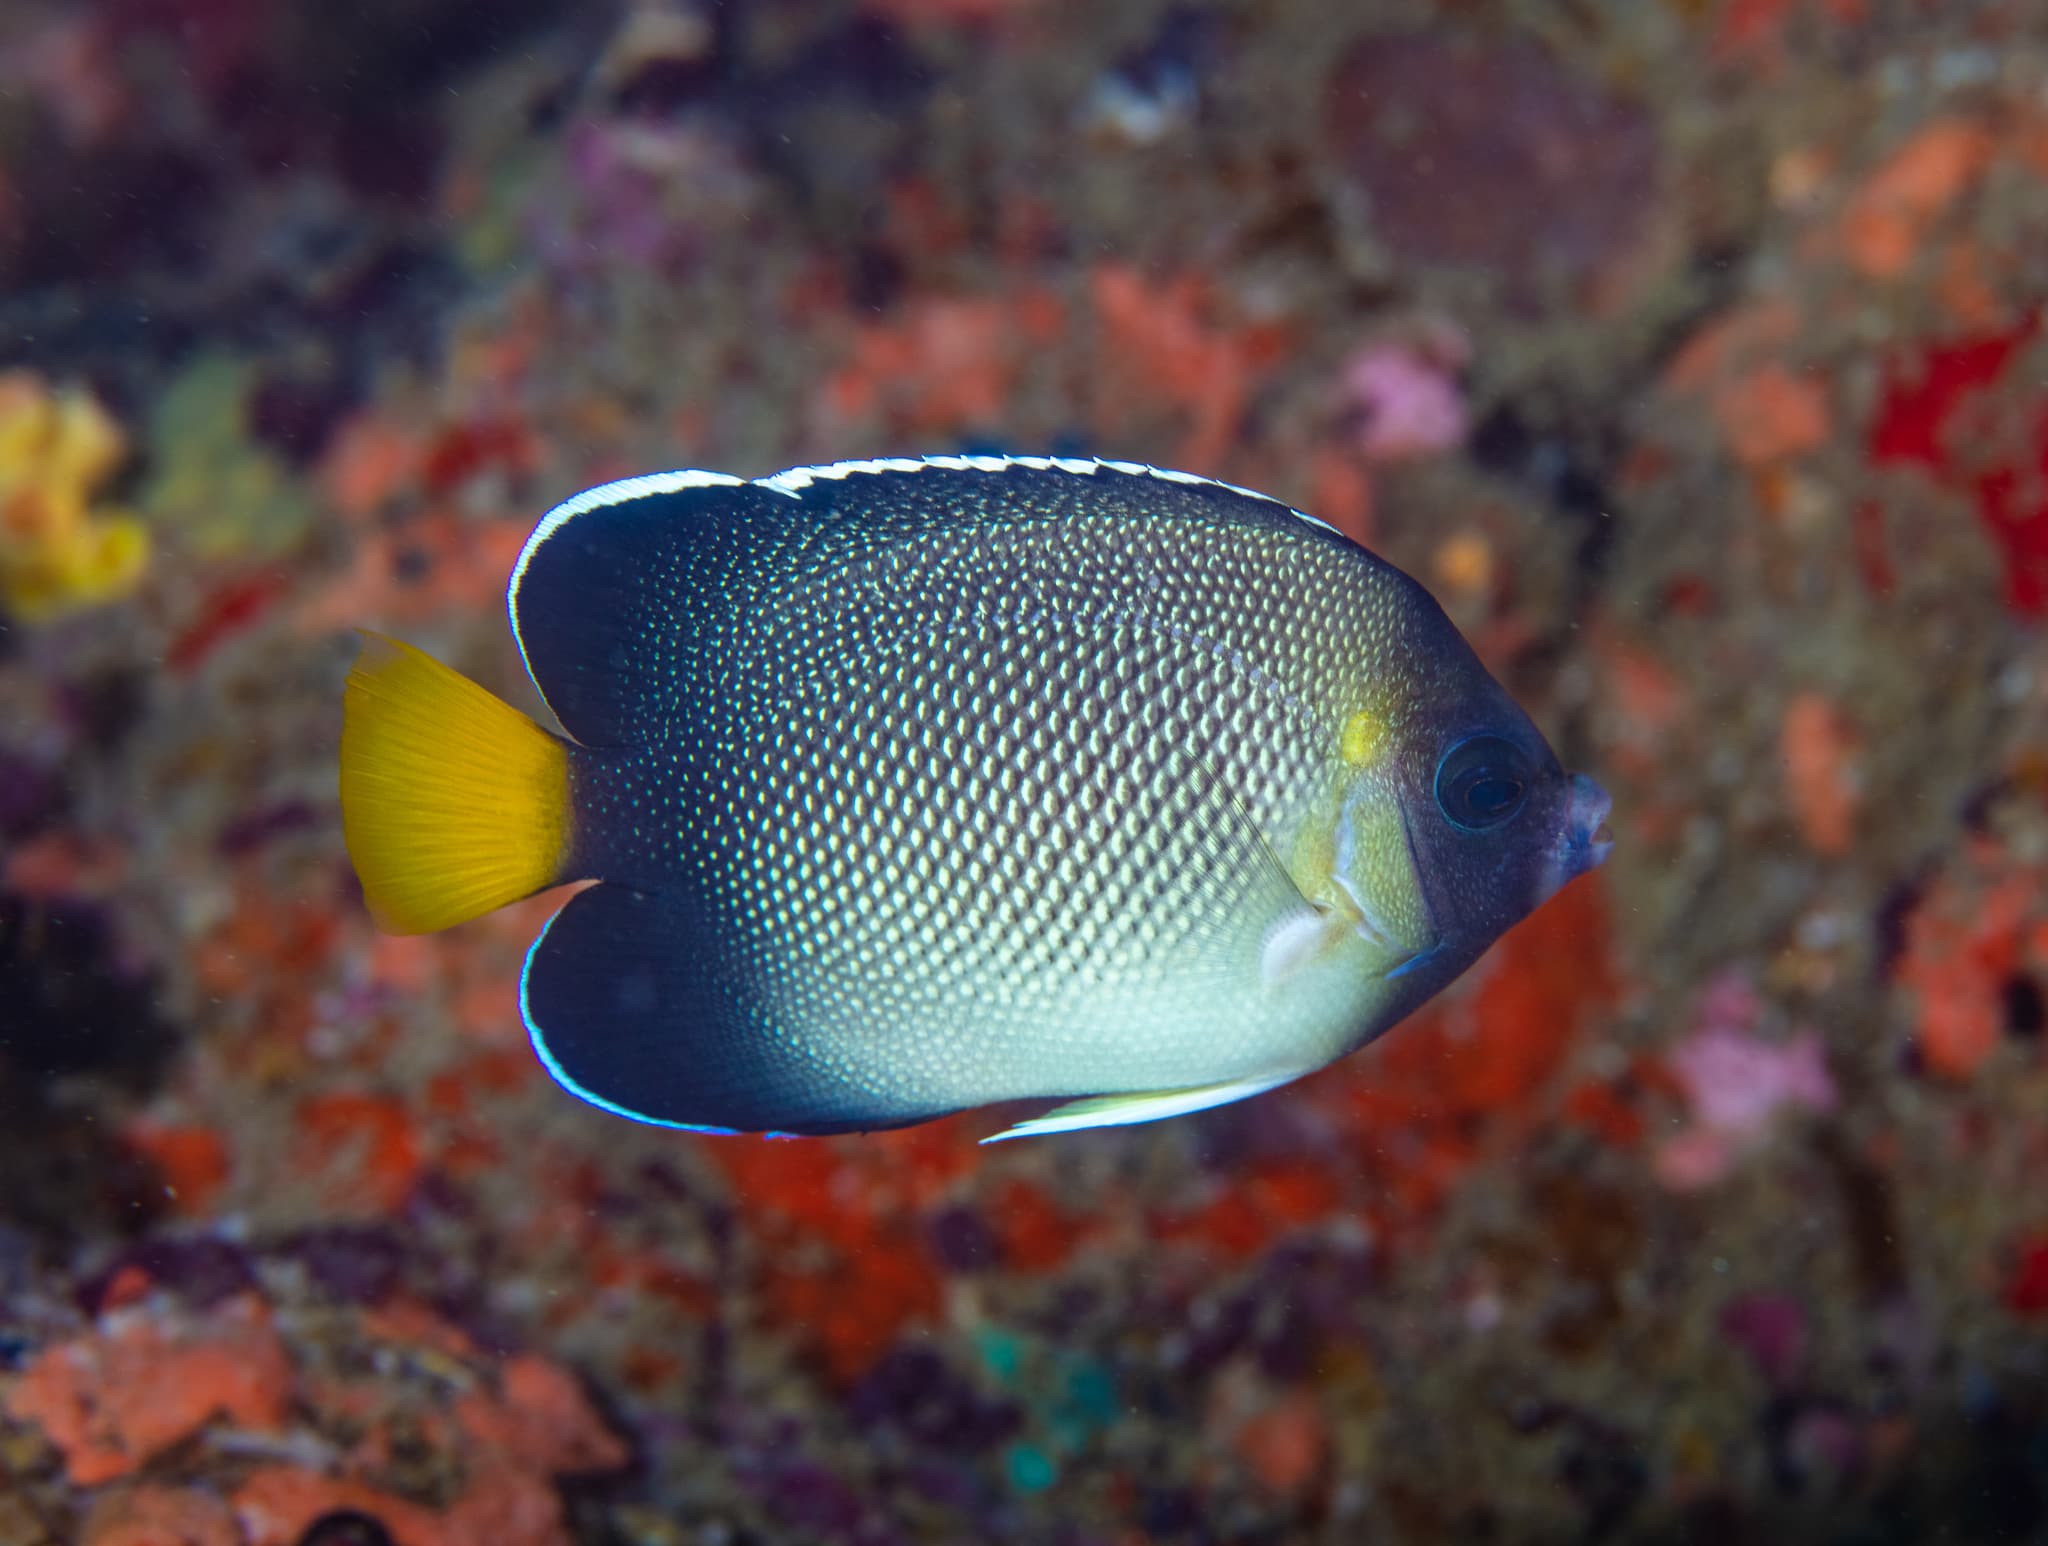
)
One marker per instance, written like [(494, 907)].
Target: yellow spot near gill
[(1365, 734)]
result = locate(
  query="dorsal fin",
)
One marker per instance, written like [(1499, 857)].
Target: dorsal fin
[(594, 595), (616, 587)]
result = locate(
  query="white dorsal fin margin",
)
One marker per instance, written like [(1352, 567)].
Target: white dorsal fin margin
[(796, 479)]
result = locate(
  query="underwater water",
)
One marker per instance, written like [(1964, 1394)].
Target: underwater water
[(1689, 352)]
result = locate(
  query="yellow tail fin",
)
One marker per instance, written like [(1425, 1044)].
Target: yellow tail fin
[(452, 802)]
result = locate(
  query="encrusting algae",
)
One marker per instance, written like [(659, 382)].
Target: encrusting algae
[(57, 554)]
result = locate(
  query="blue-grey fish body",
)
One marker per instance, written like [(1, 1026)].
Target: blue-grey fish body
[(914, 786)]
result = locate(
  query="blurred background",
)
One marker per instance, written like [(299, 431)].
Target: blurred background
[(1689, 350)]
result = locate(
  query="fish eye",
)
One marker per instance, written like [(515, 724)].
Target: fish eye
[(1482, 782)]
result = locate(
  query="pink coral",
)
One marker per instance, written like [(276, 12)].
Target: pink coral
[(1406, 396), (1737, 1084)]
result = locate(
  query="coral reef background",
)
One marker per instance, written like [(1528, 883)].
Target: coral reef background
[(1692, 351)]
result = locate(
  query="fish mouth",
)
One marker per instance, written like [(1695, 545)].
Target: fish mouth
[(1587, 821), (1587, 840)]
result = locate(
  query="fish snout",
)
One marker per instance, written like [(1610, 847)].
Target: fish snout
[(1587, 840), (1583, 842)]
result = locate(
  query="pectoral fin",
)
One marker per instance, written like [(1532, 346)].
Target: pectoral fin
[(1301, 940), (1235, 885)]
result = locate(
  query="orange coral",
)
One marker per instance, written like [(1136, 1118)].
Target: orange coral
[(542, 1420), (1820, 751), (162, 1516), (1288, 1444), (1599, 1107), (193, 1161), (945, 366), (1418, 1100), (406, 1323), (60, 864), (1962, 944), (265, 938), (1463, 565), (1036, 1236), (1890, 216), (1340, 492), (1967, 285), (863, 1202), (114, 1399), (278, 1503), (948, 365), (368, 462), (854, 1310), (1228, 1225), (1161, 343), (1772, 414), (1652, 700), (1751, 332), (843, 1193), (1267, 1200), (383, 1151), (536, 1426), (437, 564), (1766, 411)]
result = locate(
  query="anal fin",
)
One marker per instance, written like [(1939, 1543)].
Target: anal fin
[(1144, 1106), (640, 1005)]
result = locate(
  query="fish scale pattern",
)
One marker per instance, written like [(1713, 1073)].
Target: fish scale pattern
[(967, 778)]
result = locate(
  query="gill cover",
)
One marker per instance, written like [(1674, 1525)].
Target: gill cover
[(1376, 873)]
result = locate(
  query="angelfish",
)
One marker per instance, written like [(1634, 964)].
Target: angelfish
[(913, 786)]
